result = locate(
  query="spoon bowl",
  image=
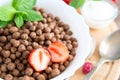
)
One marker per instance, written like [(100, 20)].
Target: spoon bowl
[(109, 51), (110, 47)]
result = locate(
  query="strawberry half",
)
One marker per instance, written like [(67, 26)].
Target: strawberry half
[(58, 52), (39, 59)]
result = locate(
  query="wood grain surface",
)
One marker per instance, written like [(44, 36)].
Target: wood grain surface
[(108, 71)]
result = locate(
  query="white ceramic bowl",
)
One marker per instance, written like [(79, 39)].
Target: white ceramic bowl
[(108, 11), (80, 30)]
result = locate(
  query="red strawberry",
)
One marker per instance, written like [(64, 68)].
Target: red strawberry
[(67, 1), (39, 59), (58, 52), (114, 1)]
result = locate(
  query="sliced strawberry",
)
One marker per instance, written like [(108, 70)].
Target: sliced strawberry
[(39, 59), (67, 1), (58, 52)]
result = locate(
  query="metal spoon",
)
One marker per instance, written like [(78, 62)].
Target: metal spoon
[(109, 51)]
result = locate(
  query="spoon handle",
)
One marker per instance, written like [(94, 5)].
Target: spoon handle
[(90, 75)]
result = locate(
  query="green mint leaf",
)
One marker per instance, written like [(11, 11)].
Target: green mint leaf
[(7, 13), (23, 4), (3, 24), (77, 3), (32, 16), (18, 20)]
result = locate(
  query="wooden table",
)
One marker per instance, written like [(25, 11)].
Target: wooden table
[(108, 71)]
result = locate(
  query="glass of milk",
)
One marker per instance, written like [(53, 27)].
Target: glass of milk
[(99, 14)]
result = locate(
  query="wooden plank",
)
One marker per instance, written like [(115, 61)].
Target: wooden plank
[(115, 71)]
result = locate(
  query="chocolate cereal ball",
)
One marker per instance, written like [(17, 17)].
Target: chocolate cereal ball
[(3, 75), (13, 29), (21, 48), (6, 32), (16, 35), (12, 56), (7, 60), (39, 32), (32, 78), (8, 77), (26, 78), (14, 42), (6, 54), (2, 44), (29, 71), (62, 68), (15, 72), (29, 24), (1, 30), (66, 63), (70, 57), (75, 44), (17, 61), (25, 54), (55, 66), (13, 50), (24, 36), (21, 78), (24, 42), (48, 70), (15, 78), (40, 26), (32, 28), (11, 66), (3, 38), (20, 66), (55, 72), (26, 31), (17, 54), (3, 68), (40, 77), (33, 35)]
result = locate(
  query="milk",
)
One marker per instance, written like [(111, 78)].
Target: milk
[(99, 13)]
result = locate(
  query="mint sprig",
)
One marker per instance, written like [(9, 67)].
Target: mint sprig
[(23, 4), (77, 3), (19, 11)]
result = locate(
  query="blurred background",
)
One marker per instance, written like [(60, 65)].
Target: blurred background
[(118, 18)]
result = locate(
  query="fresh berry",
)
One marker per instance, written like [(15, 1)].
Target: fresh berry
[(39, 59), (87, 67), (114, 1), (58, 52), (67, 1)]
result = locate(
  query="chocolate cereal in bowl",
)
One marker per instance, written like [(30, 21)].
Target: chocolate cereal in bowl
[(41, 40)]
